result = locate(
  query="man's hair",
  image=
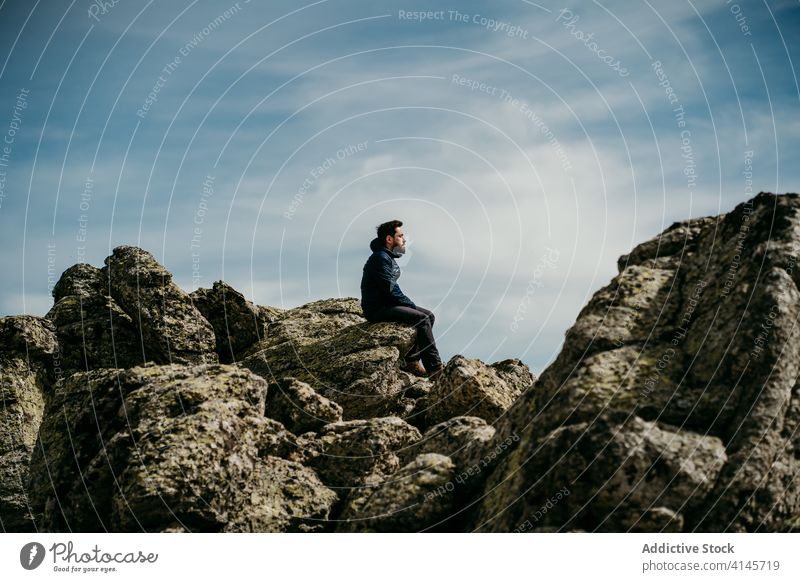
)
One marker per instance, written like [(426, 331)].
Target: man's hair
[(387, 229)]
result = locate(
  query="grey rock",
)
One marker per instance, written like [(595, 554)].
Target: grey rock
[(696, 332), (347, 360), (348, 451), (177, 444), (468, 387), (282, 496), (299, 407), (416, 497), (354, 457), (93, 330), (172, 329), (29, 360), (238, 323), (603, 476), (462, 438), (82, 280)]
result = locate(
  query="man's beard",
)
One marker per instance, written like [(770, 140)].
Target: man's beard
[(398, 250)]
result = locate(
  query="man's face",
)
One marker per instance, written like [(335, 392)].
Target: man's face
[(398, 240)]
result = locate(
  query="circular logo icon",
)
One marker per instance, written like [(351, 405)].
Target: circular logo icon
[(31, 555)]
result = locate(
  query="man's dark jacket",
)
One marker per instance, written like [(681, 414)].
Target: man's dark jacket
[(379, 286)]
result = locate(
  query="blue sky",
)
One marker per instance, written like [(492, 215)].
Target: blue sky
[(524, 145)]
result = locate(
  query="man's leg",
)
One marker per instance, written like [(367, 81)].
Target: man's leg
[(425, 342), (422, 319)]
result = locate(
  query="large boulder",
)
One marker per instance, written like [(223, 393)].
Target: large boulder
[(468, 387), (171, 328), (698, 333), (164, 448), (93, 330), (330, 346), (310, 323), (29, 362), (614, 474), (347, 451)]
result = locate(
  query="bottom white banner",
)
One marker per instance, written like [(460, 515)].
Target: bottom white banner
[(355, 557)]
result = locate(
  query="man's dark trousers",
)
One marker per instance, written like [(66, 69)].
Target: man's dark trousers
[(420, 318)]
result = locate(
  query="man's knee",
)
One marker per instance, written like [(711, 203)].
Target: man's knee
[(422, 319), (428, 313)]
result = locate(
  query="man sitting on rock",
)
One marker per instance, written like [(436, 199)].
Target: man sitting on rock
[(383, 300)]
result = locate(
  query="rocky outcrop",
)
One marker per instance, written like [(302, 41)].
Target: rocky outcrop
[(156, 448), (673, 403), (171, 328), (118, 418), (126, 314), (329, 345), (673, 406), (93, 330)]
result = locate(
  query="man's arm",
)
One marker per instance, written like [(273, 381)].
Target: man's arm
[(401, 297), (388, 286)]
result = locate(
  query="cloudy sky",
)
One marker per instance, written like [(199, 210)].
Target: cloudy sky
[(525, 145)]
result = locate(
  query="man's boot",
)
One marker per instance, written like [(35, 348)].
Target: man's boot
[(413, 367)]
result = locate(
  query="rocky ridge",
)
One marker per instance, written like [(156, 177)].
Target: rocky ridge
[(673, 405)]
